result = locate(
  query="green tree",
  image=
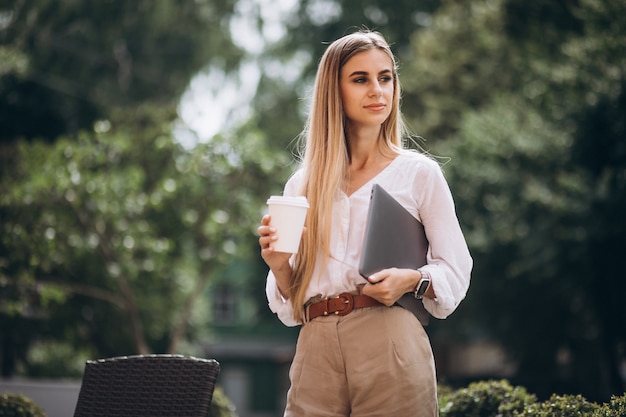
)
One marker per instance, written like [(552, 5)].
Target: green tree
[(112, 237), (329, 20), (71, 62), (530, 109), (457, 65), (96, 229)]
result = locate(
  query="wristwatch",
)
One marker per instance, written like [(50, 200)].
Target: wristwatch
[(422, 286)]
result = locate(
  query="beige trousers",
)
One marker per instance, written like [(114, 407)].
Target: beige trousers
[(375, 361)]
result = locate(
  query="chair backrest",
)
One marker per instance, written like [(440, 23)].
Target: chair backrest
[(147, 386)]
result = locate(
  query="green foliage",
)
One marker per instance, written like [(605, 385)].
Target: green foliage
[(17, 405), (524, 207), (101, 229), (55, 359), (76, 61), (500, 399), (561, 406), (221, 406), (528, 102), (313, 24), (484, 399), (614, 408), (443, 82)]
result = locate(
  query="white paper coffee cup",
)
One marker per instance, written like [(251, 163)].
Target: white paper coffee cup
[(287, 216)]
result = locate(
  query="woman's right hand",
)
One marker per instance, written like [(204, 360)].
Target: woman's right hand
[(277, 261)]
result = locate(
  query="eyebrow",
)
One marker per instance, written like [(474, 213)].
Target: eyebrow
[(385, 71)]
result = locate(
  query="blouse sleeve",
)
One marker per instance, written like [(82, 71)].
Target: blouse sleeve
[(448, 260), (277, 303)]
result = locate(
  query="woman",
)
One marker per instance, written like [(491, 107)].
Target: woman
[(377, 359)]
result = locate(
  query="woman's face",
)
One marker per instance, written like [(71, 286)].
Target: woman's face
[(366, 83)]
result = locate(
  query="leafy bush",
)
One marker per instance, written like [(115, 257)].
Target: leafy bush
[(485, 399), (501, 399), (615, 408), (561, 406), (18, 405), (221, 405)]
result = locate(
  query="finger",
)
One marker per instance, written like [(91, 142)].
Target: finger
[(266, 240), (372, 279), (377, 277), (266, 230), (266, 251), (368, 289), (376, 293)]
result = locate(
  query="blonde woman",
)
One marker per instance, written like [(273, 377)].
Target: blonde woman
[(376, 359)]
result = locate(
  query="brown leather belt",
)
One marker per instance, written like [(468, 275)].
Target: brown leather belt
[(340, 305)]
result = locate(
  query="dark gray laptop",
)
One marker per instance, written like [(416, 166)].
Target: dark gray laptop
[(393, 238)]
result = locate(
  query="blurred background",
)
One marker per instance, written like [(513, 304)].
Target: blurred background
[(139, 141)]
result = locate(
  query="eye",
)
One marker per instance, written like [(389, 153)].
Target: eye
[(386, 79), (360, 80)]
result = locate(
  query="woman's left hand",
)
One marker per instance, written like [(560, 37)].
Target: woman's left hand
[(388, 285)]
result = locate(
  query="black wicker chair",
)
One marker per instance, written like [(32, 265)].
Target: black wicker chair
[(147, 386)]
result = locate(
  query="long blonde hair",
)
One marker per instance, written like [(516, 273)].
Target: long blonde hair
[(325, 153)]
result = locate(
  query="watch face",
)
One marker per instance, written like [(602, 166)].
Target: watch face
[(423, 286)]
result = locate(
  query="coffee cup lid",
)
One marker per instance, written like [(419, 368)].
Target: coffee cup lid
[(298, 201)]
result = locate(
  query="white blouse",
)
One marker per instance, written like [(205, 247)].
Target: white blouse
[(417, 182)]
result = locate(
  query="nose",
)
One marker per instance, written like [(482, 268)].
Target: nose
[(376, 90)]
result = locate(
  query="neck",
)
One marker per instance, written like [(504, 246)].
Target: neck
[(363, 144)]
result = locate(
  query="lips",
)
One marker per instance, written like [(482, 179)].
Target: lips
[(376, 106)]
